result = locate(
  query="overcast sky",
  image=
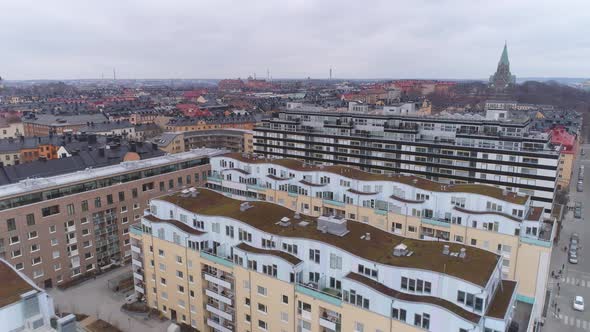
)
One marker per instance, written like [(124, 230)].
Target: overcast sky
[(294, 39)]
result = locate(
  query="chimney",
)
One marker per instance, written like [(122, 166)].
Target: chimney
[(368, 236), (101, 151)]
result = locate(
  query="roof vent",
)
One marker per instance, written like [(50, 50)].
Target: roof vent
[(333, 225), (400, 250), (446, 250), (368, 236), (245, 206), (504, 192), (284, 222), (297, 216), (463, 253)]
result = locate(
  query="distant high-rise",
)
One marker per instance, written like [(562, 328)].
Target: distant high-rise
[(502, 78)]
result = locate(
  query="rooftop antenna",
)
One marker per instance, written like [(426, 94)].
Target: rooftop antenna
[(114, 75), (330, 73), (267, 74)]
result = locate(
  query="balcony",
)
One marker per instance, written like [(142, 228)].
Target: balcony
[(216, 259), (136, 262), (135, 249), (326, 295), (222, 296), (332, 202), (437, 222), (225, 313), (330, 319), (218, 280), (217, 325), (136, 230)]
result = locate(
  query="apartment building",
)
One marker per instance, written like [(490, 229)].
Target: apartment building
[(24, 306), (497, 149), (237, 140), (222, 264), (57, 228), (481, 216)]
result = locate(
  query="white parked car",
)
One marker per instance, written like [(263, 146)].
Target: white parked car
[(579, 303)]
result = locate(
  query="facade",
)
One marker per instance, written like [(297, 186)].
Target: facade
[(246, 122), (56, 228), (503, 78), (11, 129), (41, 124), (496, 149), (569, 144), (23, 306), (221, 264), (476, 215), (236, 140), (119, 128)]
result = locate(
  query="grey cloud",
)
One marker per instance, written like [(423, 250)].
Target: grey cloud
[(359, 39)]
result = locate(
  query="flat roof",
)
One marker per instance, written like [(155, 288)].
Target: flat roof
[(477, 267), (36, 184), (12, 285), (414, 181)]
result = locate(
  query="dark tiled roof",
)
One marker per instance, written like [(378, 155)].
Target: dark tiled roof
[(80, 161)]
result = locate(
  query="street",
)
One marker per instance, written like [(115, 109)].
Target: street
[(575, 279)]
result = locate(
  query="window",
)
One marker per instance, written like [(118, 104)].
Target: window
[(84, 206), (261, 290), (11, 224), (422, 321), (284, 317), (262, 308), (134, 192), (36, 260), (35, 247), (50, 210), (314, 255), (285, 299), (110, 199), (359, 327), (14, 239), (399, 314), (121, 196), (262, 324), (335, 262), (247, 301), (31, 219), (367, 271), (52, 229)]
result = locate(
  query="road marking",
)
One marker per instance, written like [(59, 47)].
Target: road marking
[(583, 283), (584, 324), (577, 323), (565, 320)]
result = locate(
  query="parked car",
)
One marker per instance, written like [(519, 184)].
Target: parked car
[(572, 258), (580, 186), (575, 236), (581, 173), (578, 212), (579, 303), (582, 152)]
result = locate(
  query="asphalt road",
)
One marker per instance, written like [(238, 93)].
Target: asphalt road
[(575, 279)]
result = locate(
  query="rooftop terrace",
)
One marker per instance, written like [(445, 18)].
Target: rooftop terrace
[(357, 174), (477, 267)]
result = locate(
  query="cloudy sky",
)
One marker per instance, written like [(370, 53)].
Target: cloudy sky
[(296, 38)]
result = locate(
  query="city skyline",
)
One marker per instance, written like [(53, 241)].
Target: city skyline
[(294, 40)]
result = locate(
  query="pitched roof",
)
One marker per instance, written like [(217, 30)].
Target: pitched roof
[(12, 285), (504, 57)]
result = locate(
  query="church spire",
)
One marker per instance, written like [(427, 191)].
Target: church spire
[(504, 57)]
